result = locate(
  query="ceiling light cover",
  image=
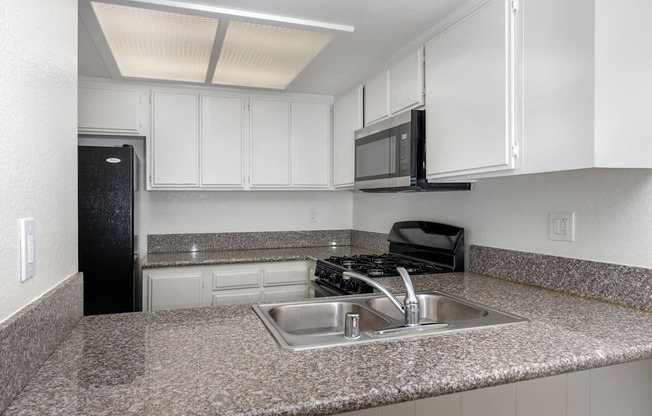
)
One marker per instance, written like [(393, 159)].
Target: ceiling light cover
[(156, 44), (255, 55)]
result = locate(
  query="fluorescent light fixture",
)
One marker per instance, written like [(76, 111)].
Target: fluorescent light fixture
[(249, 15), (155, 44), (255, 55)]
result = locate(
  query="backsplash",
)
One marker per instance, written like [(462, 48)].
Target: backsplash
[(29, 337), (178, 243), (624, 285), (376, 241)]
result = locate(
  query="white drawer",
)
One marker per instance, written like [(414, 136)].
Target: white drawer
[(236, 279), (220, 298), (287, 276), (286, 294)]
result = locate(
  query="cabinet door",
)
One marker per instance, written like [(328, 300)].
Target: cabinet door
[(173, 291), (347, 118), (406, 83), (175, 139), (222, 141), (470, 94), (108, 110), (376, 98), (310, 144), (270, 143)]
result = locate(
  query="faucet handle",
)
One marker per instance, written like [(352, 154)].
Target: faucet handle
[(411, 308), (410, 296)]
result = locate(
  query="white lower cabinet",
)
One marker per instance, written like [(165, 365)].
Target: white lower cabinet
[(186, 287), (618, 390), (174, 289)]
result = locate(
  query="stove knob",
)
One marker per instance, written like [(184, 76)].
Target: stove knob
[(352, 286)]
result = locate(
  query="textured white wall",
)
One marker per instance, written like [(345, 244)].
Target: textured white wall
[(613, 213), (210, 212), (38, 124)]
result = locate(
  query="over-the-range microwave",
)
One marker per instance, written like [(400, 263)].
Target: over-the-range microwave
[(390, 156)]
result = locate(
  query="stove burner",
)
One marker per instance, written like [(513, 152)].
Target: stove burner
[(375, 271), (347, 262)]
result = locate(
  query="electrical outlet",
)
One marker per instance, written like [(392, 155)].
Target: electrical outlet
[(27, 248), (312, 215), (562, 226)]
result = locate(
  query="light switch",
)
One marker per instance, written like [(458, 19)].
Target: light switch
[(27, 248)]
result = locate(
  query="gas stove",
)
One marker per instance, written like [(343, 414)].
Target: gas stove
[(420, 247)]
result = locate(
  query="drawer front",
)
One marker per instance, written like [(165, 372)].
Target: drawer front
[(236, 280), (288, 276), (286, 294), (219, 298)]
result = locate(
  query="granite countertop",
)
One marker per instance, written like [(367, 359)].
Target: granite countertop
[(205, 258), (222, 361)]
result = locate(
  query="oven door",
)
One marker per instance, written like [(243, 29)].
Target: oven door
[(322, 289)]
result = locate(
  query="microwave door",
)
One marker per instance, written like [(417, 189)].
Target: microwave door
[(377, 161)]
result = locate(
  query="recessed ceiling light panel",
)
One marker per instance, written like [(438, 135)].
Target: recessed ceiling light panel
[(255, 55), (156, 44)]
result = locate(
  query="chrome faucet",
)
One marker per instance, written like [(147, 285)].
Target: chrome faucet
[(410, 306)]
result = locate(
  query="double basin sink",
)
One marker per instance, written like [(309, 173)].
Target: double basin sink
[(321, 323)]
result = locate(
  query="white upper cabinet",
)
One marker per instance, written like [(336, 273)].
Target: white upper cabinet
[(311, 134), (406, 83), (222, 141), (470, 94), (213, 140), (109, 110), (587, 85), (270, 142), (394, 90), (376, 98), (347, 118), (175, 139), (579, 83)]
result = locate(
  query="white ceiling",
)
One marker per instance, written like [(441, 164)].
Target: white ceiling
[(383, 30)]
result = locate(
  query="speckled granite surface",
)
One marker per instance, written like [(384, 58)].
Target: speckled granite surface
[(202, 362), (377, 241), (249, 256), (172, 243), (625, 285), (31, 335)]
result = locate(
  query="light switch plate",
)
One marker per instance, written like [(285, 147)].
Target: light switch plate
[(561, 226), (27, 248)]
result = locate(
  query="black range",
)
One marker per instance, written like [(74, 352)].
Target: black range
[(420, 247)]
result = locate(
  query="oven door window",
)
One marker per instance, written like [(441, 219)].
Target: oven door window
[(376, 156)]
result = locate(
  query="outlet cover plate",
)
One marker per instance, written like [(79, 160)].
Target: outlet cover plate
[(27, 248), (561, 226)]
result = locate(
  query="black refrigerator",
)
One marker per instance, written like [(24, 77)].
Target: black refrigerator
[(107, 242)]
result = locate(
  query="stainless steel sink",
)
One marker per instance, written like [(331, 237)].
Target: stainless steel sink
[(320, 323), (433, 307), (323, 318)]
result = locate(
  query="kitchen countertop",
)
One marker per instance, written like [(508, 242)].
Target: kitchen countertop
[(222, 361), (205, 258)]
